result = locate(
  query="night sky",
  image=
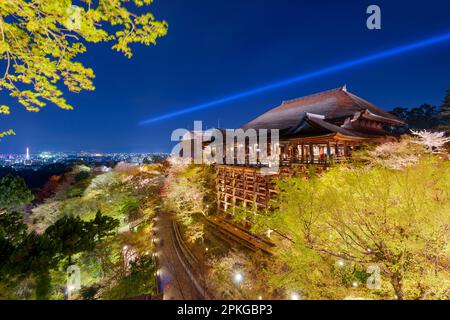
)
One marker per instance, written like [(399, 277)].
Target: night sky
[(219, 47)]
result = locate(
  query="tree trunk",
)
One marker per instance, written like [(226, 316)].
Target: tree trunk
[(396, 281)]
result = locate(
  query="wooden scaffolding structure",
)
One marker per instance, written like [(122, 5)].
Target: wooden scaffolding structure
[(243, 186)]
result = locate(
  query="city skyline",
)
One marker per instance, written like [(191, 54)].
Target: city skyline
[(39, 160), (93, 152)]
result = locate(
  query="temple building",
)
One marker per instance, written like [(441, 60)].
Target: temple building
[(326, 125), (317, 130)]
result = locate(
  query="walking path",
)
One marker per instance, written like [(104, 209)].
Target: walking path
[(173, 278)]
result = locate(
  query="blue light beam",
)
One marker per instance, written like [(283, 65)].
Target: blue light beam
[(326, 70)]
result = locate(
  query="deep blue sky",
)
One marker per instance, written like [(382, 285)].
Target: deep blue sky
[(219, 47)]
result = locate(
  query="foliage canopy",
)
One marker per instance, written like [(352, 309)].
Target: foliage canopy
[(40, 41), (396, 220)]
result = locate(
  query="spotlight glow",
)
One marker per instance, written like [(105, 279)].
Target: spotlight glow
[(295, 296), (238, 277), (313, 74)]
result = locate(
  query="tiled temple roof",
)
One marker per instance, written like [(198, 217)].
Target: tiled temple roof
[(334, 106)]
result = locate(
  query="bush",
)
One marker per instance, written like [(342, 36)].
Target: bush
[(82, 175), (14, 192)]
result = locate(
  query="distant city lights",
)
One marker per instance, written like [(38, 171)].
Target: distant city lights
[(35, 161)]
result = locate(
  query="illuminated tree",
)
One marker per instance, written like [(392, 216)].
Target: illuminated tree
[(192, 189), (432, 141), (41, 39), (239, 275), (405, 152), (190, 193), (359, 217)]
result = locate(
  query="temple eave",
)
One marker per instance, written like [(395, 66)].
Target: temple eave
[(335, 136)]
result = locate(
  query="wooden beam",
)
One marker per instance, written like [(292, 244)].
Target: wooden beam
[(303, 153)]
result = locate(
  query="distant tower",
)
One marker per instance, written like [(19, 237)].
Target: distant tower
[(27, 157)]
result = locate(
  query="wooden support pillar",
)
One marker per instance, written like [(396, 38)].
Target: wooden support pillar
[(219, 173), (234, 192), (281, 150), (303, 153), (311, 152), (307, 153), (345, 149), (245, 187), (294, 153), (328, 151), (255, 207)]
